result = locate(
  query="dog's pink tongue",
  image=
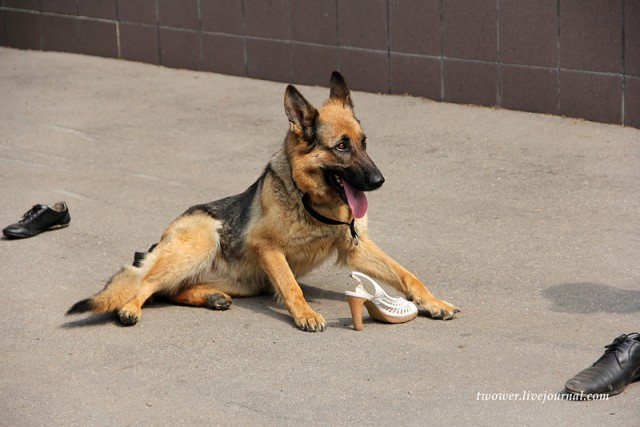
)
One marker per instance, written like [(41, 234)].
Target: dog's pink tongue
[(356, 199)]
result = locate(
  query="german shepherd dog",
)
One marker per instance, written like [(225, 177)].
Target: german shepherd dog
[(308, 204)]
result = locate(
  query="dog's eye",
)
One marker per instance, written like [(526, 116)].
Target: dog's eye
[(343, 145)]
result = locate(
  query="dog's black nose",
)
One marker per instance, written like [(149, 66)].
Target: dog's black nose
[(376, 180)]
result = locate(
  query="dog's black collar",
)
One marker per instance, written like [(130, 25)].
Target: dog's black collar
[(306, 202)]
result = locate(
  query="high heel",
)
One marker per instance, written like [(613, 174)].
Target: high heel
[(355, 305), (381, 307)]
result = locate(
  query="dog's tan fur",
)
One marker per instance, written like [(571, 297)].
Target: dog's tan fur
[(199, 262)]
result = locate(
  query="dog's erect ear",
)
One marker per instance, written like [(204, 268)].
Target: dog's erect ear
[(302, 115), (339, 89)]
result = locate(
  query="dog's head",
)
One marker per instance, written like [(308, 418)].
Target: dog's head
[(328, 150)]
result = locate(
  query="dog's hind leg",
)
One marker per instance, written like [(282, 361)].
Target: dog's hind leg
[(184, 254), (203, 295), (130, 313), (120, 289)]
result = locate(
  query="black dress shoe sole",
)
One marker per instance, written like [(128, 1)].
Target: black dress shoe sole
[(25, 236), (57, 227), (584, 393), (636, 377)]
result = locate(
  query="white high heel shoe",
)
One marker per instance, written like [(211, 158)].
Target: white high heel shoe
[(380, 306)]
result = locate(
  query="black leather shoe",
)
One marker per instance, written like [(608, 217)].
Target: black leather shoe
[(38, 219), (618, 366)]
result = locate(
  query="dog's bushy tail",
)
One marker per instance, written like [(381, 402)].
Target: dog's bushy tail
[(119, 290)]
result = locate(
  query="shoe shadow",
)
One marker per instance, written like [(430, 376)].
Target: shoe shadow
[(586, 297)]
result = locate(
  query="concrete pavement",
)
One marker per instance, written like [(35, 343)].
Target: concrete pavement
[(529, 223)]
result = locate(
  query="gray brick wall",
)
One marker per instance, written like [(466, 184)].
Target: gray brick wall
[(567, 57)]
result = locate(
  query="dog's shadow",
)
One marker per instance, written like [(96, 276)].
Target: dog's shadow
[(266, 304), (94, 319), (269, 305), (313, 293)]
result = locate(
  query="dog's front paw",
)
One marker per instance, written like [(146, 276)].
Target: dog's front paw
[(439, 309), (310, 321)]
